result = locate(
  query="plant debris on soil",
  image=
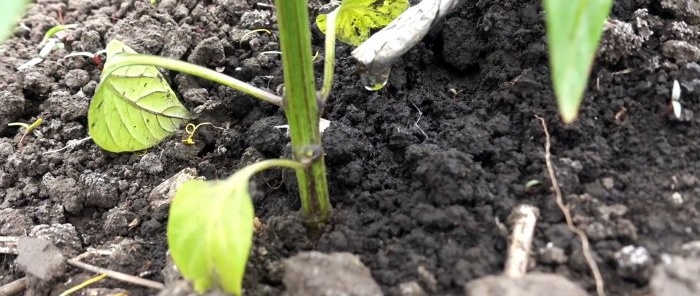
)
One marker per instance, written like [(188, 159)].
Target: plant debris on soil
[(421, 173)]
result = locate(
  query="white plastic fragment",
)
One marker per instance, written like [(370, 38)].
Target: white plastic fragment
[(676, 99)]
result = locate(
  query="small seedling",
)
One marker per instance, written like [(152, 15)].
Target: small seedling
[(532, 186), (28, 128), (52, 40), (240, 42), (211, 222), (55, 30), (455, 93)]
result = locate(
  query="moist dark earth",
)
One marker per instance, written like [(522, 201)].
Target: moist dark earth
[(422, 174)]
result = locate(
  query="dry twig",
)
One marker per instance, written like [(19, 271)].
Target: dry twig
[(13, 288), (117, 275), (599, 283), (523, 219), (19, 285)]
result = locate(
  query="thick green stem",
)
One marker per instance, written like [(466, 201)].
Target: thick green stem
[(125, 59), (329, 60), (302, 109)]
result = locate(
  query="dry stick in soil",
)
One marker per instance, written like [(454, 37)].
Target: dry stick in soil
[(599, 284), (523, 219), (19, 285), (13, 288), (117, 275)]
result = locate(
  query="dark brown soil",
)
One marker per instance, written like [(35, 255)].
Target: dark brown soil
[(420, 177)]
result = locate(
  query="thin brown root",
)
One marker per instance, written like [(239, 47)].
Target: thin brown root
[(599, 283), (523, 218), (117, 275)]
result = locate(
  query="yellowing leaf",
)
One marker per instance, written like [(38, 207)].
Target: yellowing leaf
[(356, 18), (134, 108)]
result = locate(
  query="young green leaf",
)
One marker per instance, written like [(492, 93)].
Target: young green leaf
[(10, 12), (210, 231), (357, 17), (134, 108), (574, 28), (210, 228)]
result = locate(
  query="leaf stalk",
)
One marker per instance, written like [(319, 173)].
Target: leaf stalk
[(126, 59)]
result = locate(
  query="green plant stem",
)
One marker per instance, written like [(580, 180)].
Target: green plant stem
[(260, 166), (123, 60), (302, 109), (329, 60)]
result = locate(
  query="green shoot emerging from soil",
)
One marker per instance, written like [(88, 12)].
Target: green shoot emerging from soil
[(574, 28), (210, 225)]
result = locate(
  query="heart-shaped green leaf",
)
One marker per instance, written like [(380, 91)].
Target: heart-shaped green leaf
[(134, 108)]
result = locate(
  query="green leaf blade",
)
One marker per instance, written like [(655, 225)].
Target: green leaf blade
[(10, 12), (210, 232), (356, 18), (574, 29), (134, 108)]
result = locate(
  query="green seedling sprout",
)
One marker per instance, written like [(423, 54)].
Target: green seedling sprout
[(210, 223), (210, 239), (28, 128), (240, 42), (574, 28), (55, 29), (50, 42)]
